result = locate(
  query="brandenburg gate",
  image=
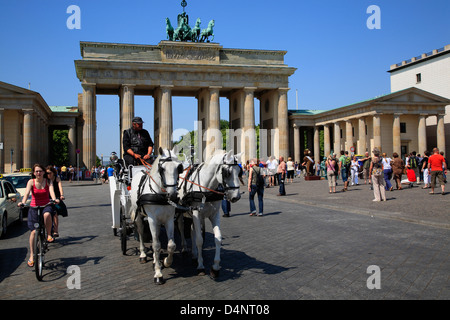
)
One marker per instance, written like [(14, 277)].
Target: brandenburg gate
[(206, 71)]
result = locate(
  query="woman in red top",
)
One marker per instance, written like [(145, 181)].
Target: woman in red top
[(41, 191)]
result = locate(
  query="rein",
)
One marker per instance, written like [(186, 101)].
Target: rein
[(215, 191), (149, 167)]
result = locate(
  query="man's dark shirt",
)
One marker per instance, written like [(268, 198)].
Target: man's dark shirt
[(138, 141)]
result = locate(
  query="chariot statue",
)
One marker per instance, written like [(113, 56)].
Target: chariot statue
[(183, 32)]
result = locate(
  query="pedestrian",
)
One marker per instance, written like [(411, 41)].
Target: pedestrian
[(413, 164), (377, 176), (323, 168), (255, 188), (226, 206), (344, 168), (446, 163), (397, 166), (387, 171), (290, 170), (438, 167), (354, 169), (110, 171), (60, 208), (366, 166), (71, 171), (41, 190), (281, 172), (424, 169), (63, 172), (331, 166)]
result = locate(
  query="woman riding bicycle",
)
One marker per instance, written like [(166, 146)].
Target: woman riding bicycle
[(41, 191)]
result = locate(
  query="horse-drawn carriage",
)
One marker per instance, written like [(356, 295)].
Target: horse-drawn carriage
[(163, 192)]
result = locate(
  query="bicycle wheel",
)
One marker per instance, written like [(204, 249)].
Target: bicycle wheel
[(39, 252)]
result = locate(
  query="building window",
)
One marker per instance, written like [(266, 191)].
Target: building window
[(418, 78), (402, 127)]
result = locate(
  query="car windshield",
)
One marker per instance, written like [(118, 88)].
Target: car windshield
[(18, 181)]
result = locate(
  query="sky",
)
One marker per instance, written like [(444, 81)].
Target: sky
[(339, 59)]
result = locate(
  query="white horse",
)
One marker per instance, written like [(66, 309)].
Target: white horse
[(150, 192), (198, 191)]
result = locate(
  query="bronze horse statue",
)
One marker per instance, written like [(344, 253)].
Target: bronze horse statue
[(208, 32)]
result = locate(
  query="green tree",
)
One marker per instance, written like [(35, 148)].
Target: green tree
[(60, 147)]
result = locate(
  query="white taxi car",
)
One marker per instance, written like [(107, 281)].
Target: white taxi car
[(9, 211), (19, 180)]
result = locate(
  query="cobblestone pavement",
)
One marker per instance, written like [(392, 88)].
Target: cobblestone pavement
[(308, 245)]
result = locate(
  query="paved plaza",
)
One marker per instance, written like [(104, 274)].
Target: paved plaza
[(308, 245)]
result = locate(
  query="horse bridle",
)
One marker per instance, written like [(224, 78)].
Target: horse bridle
[(161, 171), (226, 172)]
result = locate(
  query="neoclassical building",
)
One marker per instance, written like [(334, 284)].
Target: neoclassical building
[(26, 125), (428, 71), (392, 123)]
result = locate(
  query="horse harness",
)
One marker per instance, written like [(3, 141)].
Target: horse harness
[(155, 198), (191, 196), (209, 195)]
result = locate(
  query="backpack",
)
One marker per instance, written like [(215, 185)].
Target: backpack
[(347, 163), (259, 178), (413, 162)]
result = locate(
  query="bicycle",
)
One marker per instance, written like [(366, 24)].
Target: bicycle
[(40, 244)]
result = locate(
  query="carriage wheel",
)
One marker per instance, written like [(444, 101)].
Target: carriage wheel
[(123, 232)]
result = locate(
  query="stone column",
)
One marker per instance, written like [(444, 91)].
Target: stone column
[(422, 134), (326, 140), (2, 140), (283, 122), (27, 138), (316, 145), (165, 121), (213, 134), (297, 156), (42, 153), (441, 133), (34, 139), (348, 135), (396, 135), (337, 139), (377, 132), (89, 127), (362, 135), (249, 134), (72, 144), (126, 109)]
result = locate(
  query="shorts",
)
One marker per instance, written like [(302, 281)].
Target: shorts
[(290, 174), (33, 216), (439, 175), (344, 174)]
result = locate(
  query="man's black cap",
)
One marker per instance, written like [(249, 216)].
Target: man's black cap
[(137, 120)]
